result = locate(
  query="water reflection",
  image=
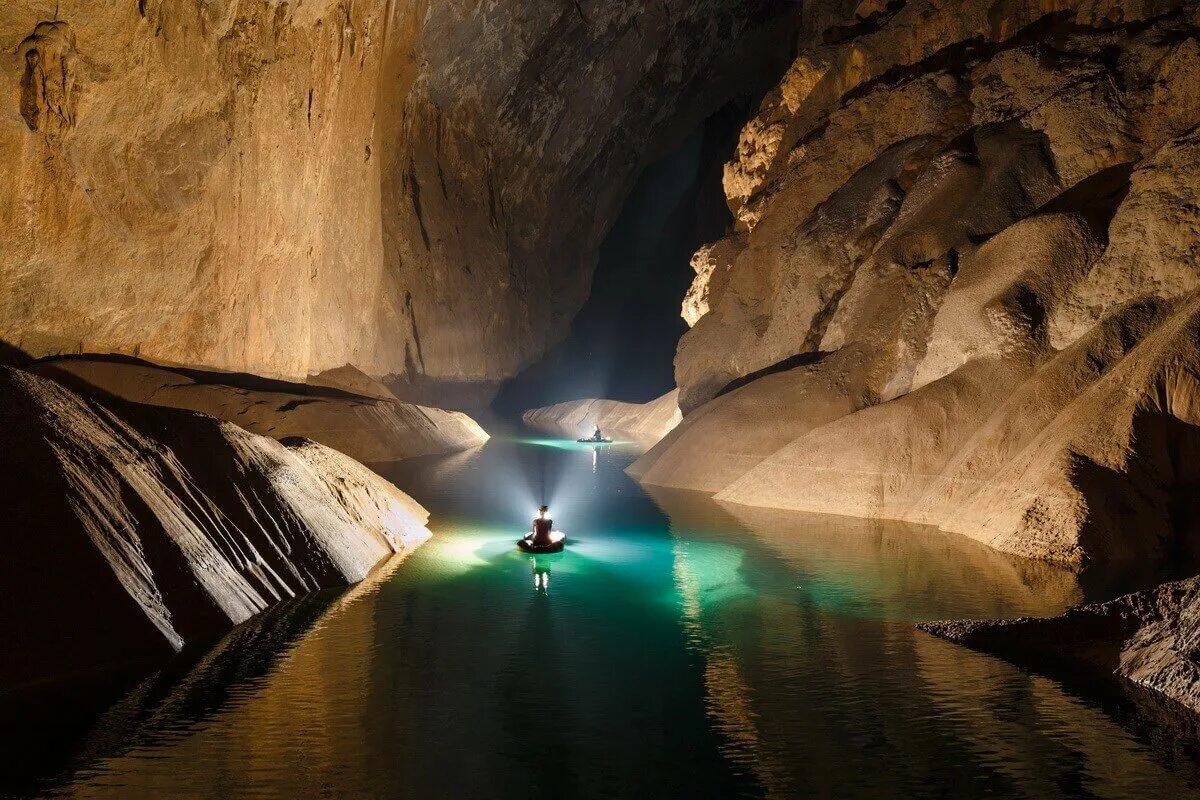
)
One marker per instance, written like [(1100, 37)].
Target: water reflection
[(876, 568), (808, 666), (687, 649)]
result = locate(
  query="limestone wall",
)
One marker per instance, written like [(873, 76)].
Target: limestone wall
[(963, 283), (286, 187)]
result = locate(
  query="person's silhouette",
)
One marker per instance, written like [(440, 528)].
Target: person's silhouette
[(542, 525)]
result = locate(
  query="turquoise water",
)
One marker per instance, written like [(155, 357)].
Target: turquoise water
[(677, 649)]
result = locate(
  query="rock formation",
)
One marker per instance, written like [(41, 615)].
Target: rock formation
[(359, 421), (1151, 638), (963, 286), (131, 531), (282, 188), (642, 422)]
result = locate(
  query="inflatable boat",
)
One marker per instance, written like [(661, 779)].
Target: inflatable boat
[(558, 540)]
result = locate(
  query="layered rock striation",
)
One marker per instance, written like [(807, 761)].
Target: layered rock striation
[(362, 420), (962, 286), (642, 422), (132, 531)]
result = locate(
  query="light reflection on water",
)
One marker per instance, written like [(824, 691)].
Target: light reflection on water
[(678, 648)]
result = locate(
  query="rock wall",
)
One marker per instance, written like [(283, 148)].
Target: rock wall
[(194, 182), (286, 187), (1151, 638), (367, 428), (131, 531), (643, 422), (962, 289)]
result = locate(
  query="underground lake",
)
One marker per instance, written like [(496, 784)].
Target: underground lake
[(677, 648)]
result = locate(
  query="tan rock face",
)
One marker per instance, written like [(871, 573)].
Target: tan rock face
[(911, 140), (644, 423), (284, 188), (164, 527), (712, 265), (1156, 235), (369, 429), (192, 181), (964, 291)]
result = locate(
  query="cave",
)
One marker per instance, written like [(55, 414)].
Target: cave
[(642, 270), (600, 398)]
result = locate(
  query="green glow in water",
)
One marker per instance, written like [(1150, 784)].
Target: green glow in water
[(677, 648), (569, 444)]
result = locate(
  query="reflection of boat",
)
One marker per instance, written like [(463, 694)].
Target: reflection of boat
[(558, 541)]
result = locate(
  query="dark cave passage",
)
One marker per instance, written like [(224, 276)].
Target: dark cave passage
[(621, 346)]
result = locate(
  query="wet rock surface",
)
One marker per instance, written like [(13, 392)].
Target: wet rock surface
[(1151, 638)]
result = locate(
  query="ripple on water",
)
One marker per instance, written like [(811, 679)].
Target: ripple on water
[(678, 648)]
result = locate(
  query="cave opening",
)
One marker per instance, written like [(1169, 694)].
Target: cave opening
[(621, 345)]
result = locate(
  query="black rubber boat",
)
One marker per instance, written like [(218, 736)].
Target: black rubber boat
[(558, 540)]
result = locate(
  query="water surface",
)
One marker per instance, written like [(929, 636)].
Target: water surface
[(678, 648)]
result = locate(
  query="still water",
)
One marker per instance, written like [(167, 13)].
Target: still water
[(677, 649)]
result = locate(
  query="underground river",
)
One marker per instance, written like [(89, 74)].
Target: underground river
[(677, 649)]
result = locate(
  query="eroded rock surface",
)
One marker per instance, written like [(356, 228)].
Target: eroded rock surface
[(642, 422), (130, 531), (1151, 638), (365, 427), (962, 288), (283, 188)]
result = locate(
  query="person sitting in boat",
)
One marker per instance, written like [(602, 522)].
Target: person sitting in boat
[(542, 525), (597, 436)]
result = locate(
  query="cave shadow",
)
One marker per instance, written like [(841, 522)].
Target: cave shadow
[(70, 727), (622, 343), (207, 377), (13, 356)]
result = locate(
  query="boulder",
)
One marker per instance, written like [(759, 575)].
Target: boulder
[(1151, 638)]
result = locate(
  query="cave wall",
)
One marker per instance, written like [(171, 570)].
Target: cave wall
[(285, 187), (510, 146), (192, 182), (963, 285)]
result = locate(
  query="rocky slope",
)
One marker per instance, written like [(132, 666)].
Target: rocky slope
[(363, 423), (642, 422), (131, 531), (286, 187), (1151, 638), (962, 288)]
